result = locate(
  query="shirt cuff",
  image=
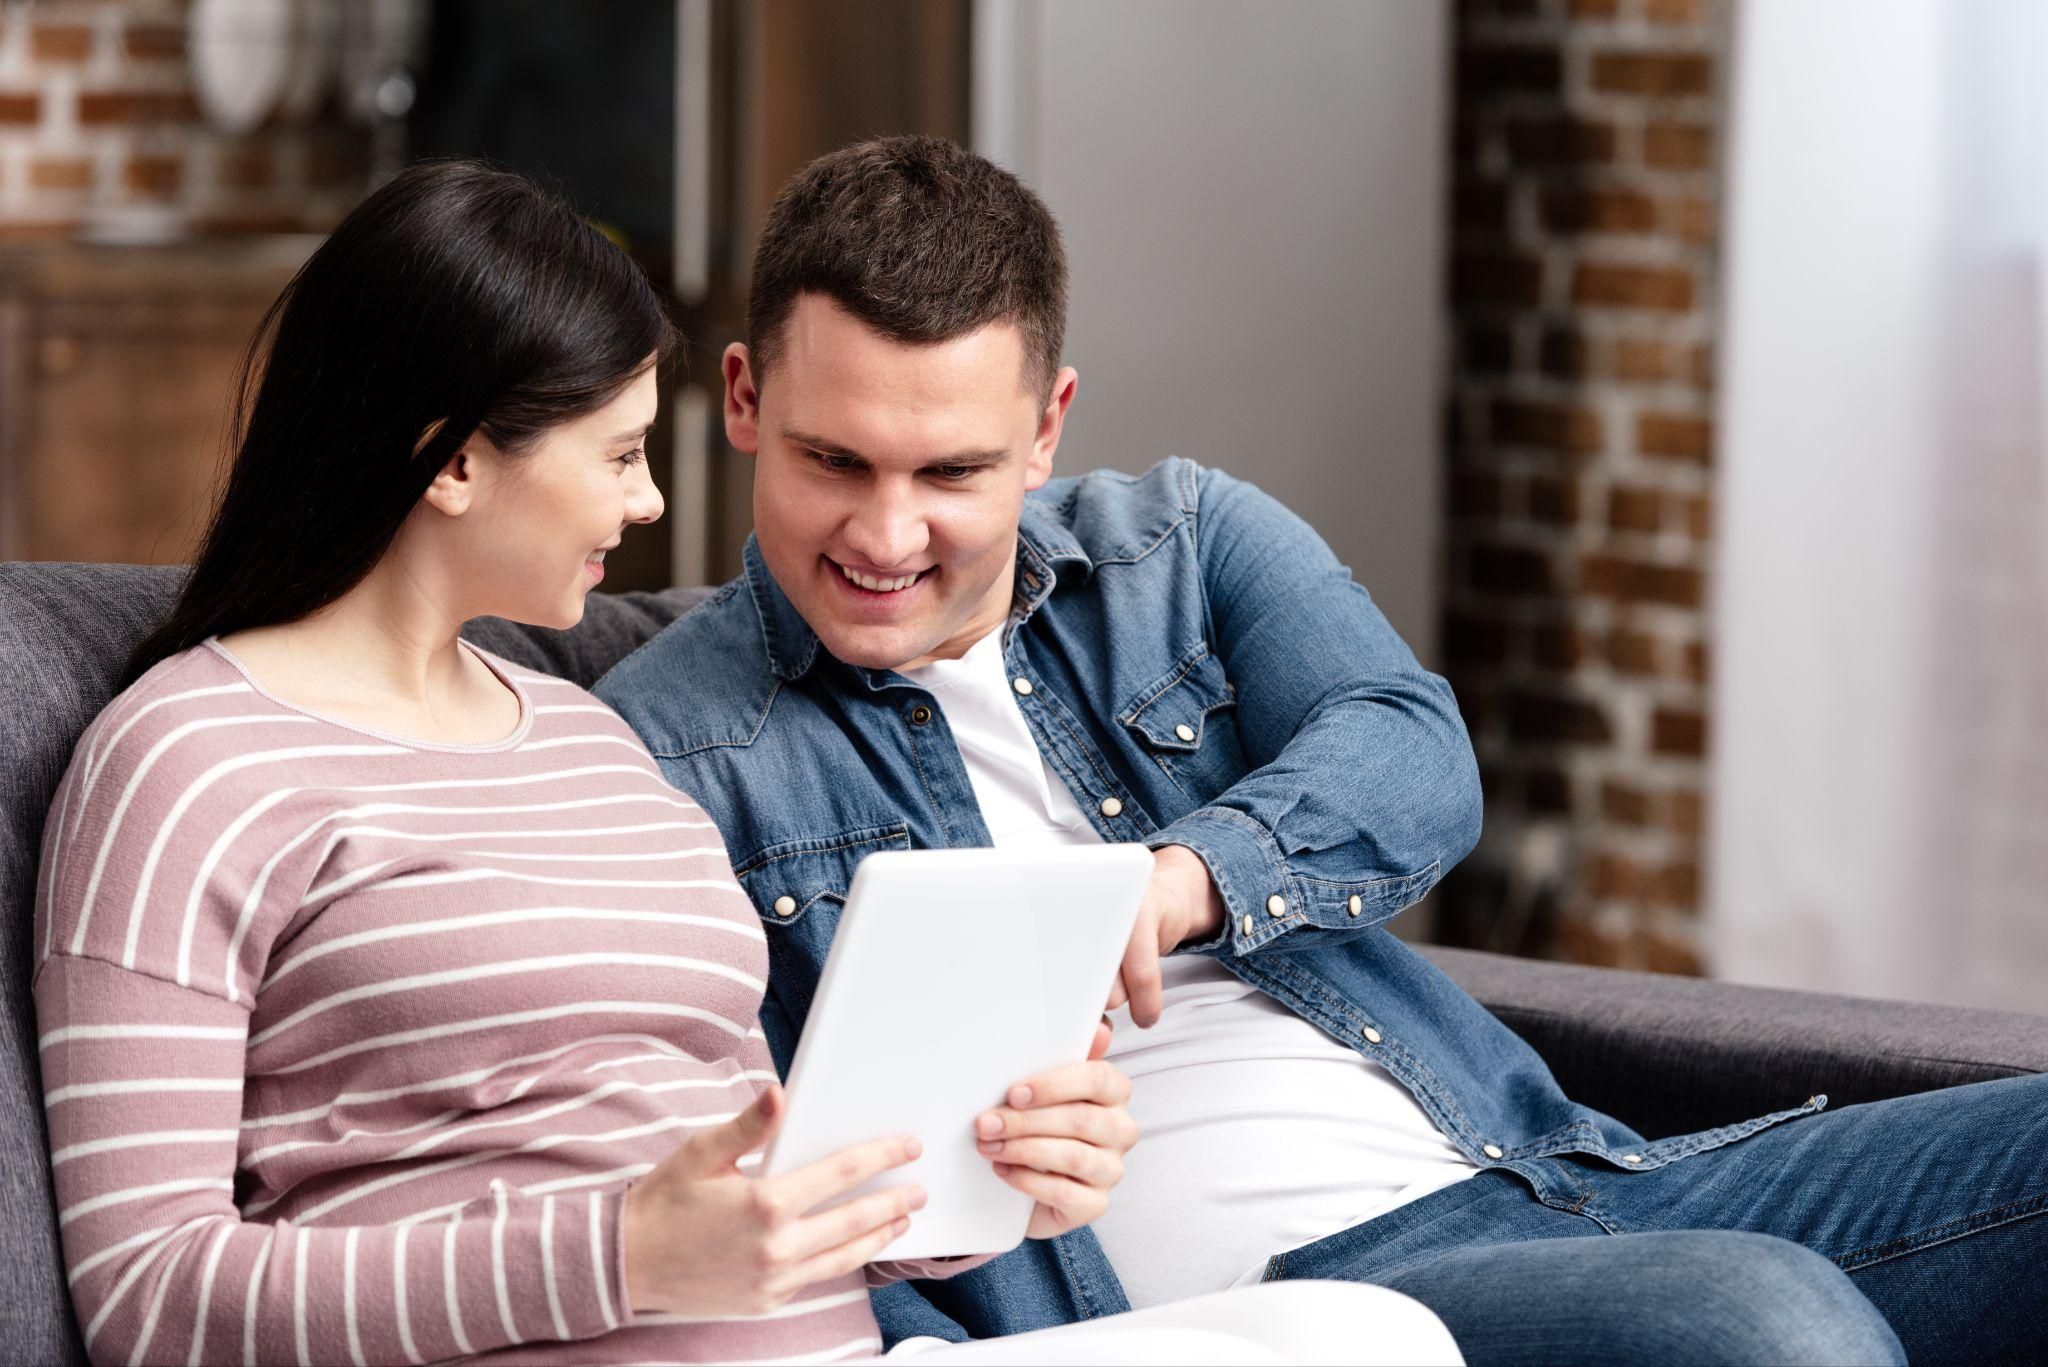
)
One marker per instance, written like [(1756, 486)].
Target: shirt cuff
[(1264, 898), (1261, 899)]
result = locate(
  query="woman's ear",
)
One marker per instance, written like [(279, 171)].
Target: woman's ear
[(454, 487)]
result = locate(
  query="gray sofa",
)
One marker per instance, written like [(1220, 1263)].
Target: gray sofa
[(1668, 1055)]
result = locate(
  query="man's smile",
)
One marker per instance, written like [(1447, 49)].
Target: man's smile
[(868, 588)]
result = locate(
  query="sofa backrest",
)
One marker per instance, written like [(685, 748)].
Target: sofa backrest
[(65, 633)]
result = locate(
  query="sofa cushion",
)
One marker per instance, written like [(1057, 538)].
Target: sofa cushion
[(65, 634), (1672, 1055)]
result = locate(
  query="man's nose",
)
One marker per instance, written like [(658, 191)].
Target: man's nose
[(887, 530)]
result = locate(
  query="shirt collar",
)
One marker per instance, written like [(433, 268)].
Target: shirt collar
[(792, 645), (1045, 548)]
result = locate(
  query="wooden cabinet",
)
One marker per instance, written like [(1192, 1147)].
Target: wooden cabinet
[(116, 367)]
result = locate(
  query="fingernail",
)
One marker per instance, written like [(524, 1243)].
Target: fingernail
[(1002, 1169), (990, 1146), (1020, 1096), (912, 1148), (988, 1126), (917, 1198), (902, 1225)]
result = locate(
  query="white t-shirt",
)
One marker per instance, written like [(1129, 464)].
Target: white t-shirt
[(1257, 1132)]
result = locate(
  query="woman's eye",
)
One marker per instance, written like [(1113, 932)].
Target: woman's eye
[(634, 456)]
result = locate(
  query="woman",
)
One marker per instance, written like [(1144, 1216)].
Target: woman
[(392, 1008)]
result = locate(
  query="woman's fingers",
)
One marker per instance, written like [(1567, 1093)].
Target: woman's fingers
[(850, 1256), (811, 1186), (1087, 1164), (1073, 1202), (856, 1219)]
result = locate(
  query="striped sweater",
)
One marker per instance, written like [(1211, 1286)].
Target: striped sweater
[(351, 1043)]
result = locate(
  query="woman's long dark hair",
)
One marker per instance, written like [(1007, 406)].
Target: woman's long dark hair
[(458, 298)]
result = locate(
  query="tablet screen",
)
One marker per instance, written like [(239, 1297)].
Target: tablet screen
[(954, 975)]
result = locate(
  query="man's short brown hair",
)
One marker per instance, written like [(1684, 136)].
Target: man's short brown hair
[(920, 239)]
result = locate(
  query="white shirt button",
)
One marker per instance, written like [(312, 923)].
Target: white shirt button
[(1372, 1036), (1112, 806), (1631, 1158), (1184, 731), (1276, 905), (1355, 905), (785, 906), (1245, 925), (1022, 685), (1491, 1150)]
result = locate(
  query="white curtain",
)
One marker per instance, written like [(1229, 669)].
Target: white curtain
[(1880, 812)]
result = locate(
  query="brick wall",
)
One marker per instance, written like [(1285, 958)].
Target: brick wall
[(97, 113), (1586, 146)]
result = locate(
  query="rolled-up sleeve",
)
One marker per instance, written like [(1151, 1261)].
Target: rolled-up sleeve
[(1363, 789)]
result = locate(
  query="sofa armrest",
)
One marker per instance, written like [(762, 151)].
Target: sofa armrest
[(1670, 1055)]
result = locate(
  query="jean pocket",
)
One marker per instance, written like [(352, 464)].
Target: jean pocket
[(1186, 720), (799, 888), (796, 879)]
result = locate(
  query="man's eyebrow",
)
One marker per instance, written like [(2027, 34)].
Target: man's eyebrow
[(823, 446)]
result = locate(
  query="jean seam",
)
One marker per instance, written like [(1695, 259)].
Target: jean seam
[(874, 835), (1871, 1255)]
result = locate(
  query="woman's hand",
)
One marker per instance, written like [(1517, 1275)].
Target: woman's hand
[(703, 1238), (1062, 1140)]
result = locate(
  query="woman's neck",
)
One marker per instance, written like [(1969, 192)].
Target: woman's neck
[(383, 655)]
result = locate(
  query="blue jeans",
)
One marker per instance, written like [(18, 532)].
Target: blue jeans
[(1899, 1229)]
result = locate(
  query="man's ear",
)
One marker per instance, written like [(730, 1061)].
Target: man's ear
[(742, 400), (1051, 421)]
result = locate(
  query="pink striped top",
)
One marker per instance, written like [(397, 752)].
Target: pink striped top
[(351, 1044)]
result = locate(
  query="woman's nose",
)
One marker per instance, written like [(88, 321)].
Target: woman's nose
[(644, 503)]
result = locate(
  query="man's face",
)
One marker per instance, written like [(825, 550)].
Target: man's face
[(888, 479)]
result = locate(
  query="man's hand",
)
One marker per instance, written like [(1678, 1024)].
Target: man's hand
[(1181, 903), (1062, 1139)]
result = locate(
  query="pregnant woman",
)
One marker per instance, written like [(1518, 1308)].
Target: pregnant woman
[(391, 1007)]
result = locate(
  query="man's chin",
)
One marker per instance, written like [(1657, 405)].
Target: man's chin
[(873, 649)]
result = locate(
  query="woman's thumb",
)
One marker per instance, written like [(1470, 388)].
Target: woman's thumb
[(749, 1130)]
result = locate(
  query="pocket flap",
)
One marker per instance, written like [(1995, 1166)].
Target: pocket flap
[(1171, 713), (787, 880)]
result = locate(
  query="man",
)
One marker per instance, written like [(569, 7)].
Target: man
[(936, 644)]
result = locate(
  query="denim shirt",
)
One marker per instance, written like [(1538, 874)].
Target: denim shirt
[(1200, 670)]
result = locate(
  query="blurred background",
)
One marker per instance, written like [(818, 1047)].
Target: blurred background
[(1672, 371)]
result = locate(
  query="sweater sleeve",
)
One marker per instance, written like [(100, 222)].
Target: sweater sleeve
[(143, 1090), (924, 1269)]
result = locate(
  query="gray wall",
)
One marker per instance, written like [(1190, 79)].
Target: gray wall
[(1252, 197)]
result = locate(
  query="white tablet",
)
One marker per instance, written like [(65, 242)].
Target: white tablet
[(953, 976)]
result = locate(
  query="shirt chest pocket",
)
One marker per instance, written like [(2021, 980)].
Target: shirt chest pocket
[(799, 888), (1186, 722)]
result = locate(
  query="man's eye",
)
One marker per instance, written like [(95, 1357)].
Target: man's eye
[(954, 472), (831, 462)]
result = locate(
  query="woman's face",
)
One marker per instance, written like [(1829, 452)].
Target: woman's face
[(536, 533)]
